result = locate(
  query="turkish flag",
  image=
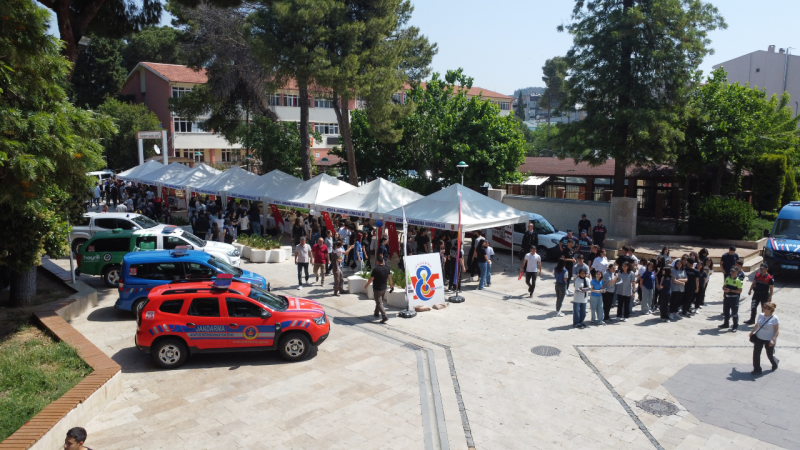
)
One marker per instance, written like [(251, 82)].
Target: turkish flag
[(394, 246), (276, 215), (328, 223)]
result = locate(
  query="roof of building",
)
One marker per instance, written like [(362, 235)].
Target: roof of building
[(541, 165), (175, 72), (474, 91)]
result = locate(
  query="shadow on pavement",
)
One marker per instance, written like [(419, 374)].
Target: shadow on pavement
[(736, 375), (546, 316), (109, 314)]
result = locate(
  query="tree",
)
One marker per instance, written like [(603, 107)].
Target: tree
[(152, 44), (373, 157), (275, 144), (520, 111), (46, 146), (121, 150), (770, 170), (539, 140), (98, 73), (446, 127), (555, 93), (633, 64), (790, 193)]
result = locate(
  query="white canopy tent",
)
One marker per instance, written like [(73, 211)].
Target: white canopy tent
[(198, 174), (440, 210), (376, 197), (166, 172), (309, 193), (264, 185), (227, 180), (141, 169)]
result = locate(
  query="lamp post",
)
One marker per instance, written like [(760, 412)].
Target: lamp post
[(249, 159), (461, 167)]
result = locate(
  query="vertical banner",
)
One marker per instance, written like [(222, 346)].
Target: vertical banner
[(427, 283), (394, 246), (164, 197), (277, 216), (328, 223)]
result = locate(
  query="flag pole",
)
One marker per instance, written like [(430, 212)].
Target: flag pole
[(408, 312), (458, 298)]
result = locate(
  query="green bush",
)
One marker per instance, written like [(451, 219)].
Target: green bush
[(398, 277), (770, 171), (768, 215), (257, 242), (722, 218), (789, 189)]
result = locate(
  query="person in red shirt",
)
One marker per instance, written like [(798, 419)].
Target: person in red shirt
[(320, 252)]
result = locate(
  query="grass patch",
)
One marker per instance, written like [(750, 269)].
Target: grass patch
[(757, 228), (35, 370), (48, 289)]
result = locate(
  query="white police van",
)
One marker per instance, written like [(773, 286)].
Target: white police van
[(549, 236)]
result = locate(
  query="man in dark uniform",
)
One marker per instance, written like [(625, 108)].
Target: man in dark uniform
[(529, 239), (761, 290), (599, 233), (584, 223)]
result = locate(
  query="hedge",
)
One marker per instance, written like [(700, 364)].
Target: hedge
[(789, 189), (721, 218), (770, 171)]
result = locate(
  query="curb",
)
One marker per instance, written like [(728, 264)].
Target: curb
[(85, 400)]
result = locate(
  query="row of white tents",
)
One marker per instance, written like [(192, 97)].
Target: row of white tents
[(379, 199)]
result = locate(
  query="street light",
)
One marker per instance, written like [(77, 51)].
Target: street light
[(461, 166)]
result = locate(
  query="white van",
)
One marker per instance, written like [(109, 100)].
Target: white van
[(549, 237), (102, 175)]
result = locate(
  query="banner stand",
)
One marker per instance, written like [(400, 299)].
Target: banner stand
[(408, 312)]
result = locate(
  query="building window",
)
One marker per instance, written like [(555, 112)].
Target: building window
[(184, 126), (327, 128), (191, 154), (505, 106), (225, 155), (178, 92), (291, 100), (361, 103), (398, 98), (275, 99), (323, 103)]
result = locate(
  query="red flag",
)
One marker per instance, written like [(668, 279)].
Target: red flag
[(328, 223), (519, 277), (276, 215), (394, 246), (164, 196)]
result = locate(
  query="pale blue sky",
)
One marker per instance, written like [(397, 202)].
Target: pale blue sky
[(503, 44)]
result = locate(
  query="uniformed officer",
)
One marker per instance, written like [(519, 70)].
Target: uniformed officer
[(761, 290), (529, 239), (730, 302)]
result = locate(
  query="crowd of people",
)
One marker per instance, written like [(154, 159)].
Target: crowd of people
[(119, 196)]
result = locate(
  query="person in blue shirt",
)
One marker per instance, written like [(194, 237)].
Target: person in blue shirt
[(728, 261), (596, 299), (359, 253), (665, 293)]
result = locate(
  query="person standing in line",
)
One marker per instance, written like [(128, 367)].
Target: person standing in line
[(596, 299), (489, 257), (765, 334), (705, 274), (691, 289), (579, 265), (599, 233), (665, 293), (532, 266), (474, 260), (302, 257), (628, 279), (358, 252), (529, 239), (228, 232), (561, 275), (590, 259), (678, 285), (328, 241), (610, 282), (600, 262), (562, 244), (584, 223), (730, 301), (320, 253), (582, 290), (380, 275), (568, 254), (647, 283), (482, 262), (761, 290), (585, 244), (728, 260), (665, 254)]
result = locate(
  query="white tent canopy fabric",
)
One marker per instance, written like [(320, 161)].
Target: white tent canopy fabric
[(141, 169), (266, 184), (310, 192), (196, 175), (440, 210), (235, 176), (166, 172), (376, 197)]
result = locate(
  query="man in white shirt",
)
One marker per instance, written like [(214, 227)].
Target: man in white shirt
[(122, 207), (302, 257), (344, 233), (531, 265)]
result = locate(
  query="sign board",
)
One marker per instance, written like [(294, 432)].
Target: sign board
[(503, 235), (424, 283), (148, 135)]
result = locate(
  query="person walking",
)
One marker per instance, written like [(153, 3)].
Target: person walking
[(764, 335), (599, 233), (610, 282), (298, 231), (532, 266), (761, 290), (529, 239), (730, 301), (665, 294), (320, 253), (647, 283), (380, 275), (75, 438), (561, 275), (302, 257), (568, 254), (582, 290), (626, 289), (678, 285), (596, 299)]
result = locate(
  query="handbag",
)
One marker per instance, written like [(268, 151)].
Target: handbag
[(753, 338)]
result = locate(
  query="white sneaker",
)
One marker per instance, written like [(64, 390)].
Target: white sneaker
[(624, 320), (559, 314), (299, 287), (569, 292)]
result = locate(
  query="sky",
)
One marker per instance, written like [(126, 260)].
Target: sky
[(494, 43)]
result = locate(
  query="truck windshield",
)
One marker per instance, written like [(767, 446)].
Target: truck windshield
[(542, 226), (786, 229), (144, 221), (225, 267), (194, 240), (273, 302)]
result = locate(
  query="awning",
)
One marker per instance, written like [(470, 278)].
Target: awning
[(535, 181), (197, 141)]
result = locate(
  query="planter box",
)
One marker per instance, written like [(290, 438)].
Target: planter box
[(258, 256), (396, 299), (355, 284), (245, 252), (239, 247), (276, 256), (287, 250)]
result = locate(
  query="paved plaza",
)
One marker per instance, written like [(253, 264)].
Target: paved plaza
[(465, 376)]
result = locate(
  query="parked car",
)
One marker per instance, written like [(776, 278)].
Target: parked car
[(142, 271), (103, 253), (549, 237), (96, 222), (182, 319), (782, 250)]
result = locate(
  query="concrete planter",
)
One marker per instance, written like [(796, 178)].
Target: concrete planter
[(396, 299), (239, 247), (287, 250), (355, 284), (258, 256), (245, 252), (276, 256)]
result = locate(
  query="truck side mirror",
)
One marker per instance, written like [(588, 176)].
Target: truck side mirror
[(265, 314)]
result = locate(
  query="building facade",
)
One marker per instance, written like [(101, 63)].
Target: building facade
[(774, 71)]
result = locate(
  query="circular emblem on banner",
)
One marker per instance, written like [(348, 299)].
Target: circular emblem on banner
[(107, 257), (424, 283), (250, 333)]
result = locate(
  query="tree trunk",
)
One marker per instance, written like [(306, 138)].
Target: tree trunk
[(23, 287), (619, 178), (343, 116), (720, 174), (305, 145)]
